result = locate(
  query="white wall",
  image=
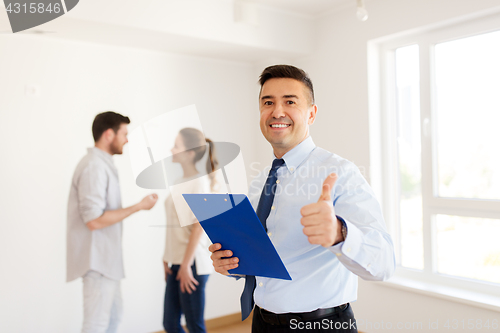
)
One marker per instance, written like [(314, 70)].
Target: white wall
[(338, 69), (43, 138)]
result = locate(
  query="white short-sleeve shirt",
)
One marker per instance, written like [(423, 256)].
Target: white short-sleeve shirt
[(178, 237)]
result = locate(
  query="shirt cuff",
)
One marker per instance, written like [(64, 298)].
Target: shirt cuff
[(351, 245)]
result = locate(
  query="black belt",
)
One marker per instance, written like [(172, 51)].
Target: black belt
[(284, 318)]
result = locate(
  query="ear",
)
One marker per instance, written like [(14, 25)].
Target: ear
[(109, 135), (312, 114)]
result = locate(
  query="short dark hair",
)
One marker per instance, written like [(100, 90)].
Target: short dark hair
[(289, 72), (106, 120)]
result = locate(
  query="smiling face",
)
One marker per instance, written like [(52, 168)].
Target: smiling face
[(285, 113)]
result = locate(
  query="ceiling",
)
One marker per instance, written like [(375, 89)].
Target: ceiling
[(197, 27), (309, 7)]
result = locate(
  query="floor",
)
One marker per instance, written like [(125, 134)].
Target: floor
[(242, 327)]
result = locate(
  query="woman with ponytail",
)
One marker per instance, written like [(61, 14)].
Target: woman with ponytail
[(187, 260)]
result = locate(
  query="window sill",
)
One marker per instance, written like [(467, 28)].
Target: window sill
[(476, 299)]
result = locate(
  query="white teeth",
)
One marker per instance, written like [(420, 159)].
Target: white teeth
[(279, 125)]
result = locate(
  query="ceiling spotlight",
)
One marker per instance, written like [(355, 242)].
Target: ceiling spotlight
[(361, 12)]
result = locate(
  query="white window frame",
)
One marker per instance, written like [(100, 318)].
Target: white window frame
[(383, 150)]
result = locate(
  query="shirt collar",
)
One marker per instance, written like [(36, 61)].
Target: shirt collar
[(101, 153), (298, 154)]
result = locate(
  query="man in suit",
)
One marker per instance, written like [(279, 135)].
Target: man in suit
[(320, 214)]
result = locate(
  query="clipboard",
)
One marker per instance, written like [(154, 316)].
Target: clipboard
[(229, 219)]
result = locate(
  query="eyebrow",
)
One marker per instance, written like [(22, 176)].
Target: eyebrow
[(284, 96)]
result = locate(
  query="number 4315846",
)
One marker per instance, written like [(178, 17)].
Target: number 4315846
[(33, 8), (471, 324)]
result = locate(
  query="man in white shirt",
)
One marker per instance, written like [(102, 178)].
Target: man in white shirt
[(322, 217), (94, 225)]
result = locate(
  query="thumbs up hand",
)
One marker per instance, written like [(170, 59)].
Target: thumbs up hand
[(321, 226)]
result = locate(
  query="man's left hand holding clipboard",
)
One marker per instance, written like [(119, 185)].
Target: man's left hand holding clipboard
[(223, 260)]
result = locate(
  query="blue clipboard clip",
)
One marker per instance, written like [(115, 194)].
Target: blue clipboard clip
[(229, 219)]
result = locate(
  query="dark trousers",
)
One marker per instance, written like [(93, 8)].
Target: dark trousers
[(342, 322), (177, 302)]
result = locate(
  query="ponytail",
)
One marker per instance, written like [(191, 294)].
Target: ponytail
[(193, 137), (212, 164)]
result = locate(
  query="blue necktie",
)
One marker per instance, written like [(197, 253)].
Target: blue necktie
[(263, 210)]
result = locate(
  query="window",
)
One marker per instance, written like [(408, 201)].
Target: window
[(408, 154), (439, 117)]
